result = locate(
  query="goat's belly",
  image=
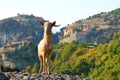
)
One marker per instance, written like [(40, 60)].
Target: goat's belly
[(45, 52), (45, 49)]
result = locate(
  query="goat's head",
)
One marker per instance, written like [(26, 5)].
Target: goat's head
[(48, 26)]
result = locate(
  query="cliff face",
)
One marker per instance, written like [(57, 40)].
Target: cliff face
[(19, 28), (19, 55)]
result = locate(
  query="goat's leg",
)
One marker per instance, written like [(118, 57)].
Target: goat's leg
[(44, 64), (48, 65), (41, 64)]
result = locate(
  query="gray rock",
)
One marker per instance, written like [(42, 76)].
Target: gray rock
[(3, 76), (36, 76)]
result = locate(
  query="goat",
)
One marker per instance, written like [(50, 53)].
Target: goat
[(45, 47)]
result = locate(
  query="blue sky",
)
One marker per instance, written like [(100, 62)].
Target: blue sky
[(63, 11)]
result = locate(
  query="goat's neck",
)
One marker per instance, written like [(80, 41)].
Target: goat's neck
[(47, 38)]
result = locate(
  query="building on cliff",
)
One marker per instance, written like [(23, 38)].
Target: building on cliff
[(70, 34)]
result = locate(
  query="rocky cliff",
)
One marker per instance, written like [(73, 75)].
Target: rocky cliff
[(20, 28), (19, 55)]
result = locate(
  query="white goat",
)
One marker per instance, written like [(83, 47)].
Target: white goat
[(45, 47)]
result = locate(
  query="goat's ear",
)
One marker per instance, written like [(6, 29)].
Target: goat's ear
[(41, 23), (53, 24)]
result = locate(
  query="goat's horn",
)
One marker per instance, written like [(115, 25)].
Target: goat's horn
[(57, 25)]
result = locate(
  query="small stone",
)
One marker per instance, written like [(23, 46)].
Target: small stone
[(25, 77), (52, 76)]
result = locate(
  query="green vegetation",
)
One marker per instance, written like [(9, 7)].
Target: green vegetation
[(100, 63), (68, 58), (33, 69)]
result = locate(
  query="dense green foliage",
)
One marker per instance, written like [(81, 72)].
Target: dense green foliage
[(67, 58), (100, 63)]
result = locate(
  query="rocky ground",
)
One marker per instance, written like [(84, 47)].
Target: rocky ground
[(36, 76)]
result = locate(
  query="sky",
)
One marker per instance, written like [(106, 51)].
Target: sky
[(62, 11)]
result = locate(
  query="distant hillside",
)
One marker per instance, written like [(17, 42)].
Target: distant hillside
[(97, 29), (21, 28)]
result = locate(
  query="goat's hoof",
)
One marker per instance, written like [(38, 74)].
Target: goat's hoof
[(42, 73), (49, 73)]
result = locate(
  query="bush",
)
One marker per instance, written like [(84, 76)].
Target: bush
[(35, 68)]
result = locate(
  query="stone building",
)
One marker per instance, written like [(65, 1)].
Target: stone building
[(68, 30), (70, 34)]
